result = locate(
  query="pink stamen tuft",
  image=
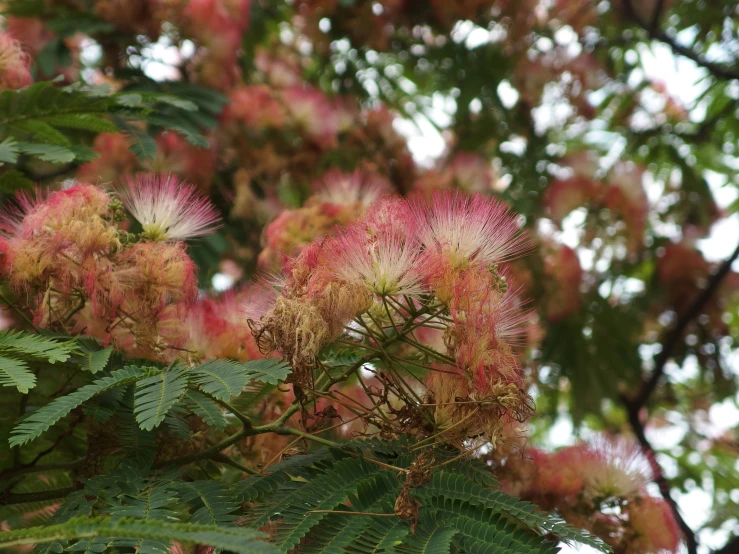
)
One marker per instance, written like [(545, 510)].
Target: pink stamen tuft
[(167, 208)]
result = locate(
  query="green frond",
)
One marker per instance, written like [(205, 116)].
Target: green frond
[(226, 379), (176, 423), (326, 492), (258, 488), (15, 373), (157, 394), (42, 419), (214, 503), (36, 346), (459, 487), (9, 151), (231, 538), (93, 358), (35, 120), (139, 446), (323, 502), (207, 410), (431, 536)]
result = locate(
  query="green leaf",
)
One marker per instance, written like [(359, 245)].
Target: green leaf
[(207, 410), (268, 370), (15, 373), (34, 345), (157, 394), (9, 151), (12, 180), (51, 153), (215, 503), (81, 122), (226, 379), (40, 131), (235, 539), (129, 99), (42, 419), (94, 361)]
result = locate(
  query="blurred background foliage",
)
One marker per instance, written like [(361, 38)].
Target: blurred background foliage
[(610, 126)]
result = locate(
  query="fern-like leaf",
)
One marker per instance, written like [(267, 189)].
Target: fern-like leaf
[(235, 539), (207, 410), (225, 379), (157, 394), (15, 373), (459, 487), (215, 504), (43, 418), (37, 346)]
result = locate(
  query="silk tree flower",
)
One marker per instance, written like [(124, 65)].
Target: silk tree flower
[(167, 208), (466, 230), (14, 64), (340, 198), (387, 265), (357, 187)]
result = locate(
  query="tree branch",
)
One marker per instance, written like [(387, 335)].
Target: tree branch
[(674, 337), (21, 498), (652, 28), (635, 405)]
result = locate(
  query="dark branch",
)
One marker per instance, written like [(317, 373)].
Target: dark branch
[(21, 498), (635, 405), (674, 337), (654, 23), (652, 28), (637, 425)]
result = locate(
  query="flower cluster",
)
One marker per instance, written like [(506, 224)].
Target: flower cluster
[(622, 194), (407, 266), (67, 253), (339, 198), (601, 487), (14, 64)]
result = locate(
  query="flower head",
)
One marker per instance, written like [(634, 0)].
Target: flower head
[(337, 187), (385, 265), (14, 64), (167, 208), (466, 230)]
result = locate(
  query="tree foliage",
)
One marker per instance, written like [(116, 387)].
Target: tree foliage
[(446, 227)]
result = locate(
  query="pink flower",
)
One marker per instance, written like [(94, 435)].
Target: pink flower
[(358, 187), (167, 208), (565, 195), (387, 265), (466, 230), (471, 172), (313, 114), (654, 525), (14, 64), (115, 159), (255, 106)]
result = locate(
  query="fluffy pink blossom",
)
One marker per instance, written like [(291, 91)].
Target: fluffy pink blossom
[(466, 230), (338, 187), (167, 208), (313, 114), (565, 195), (14, 64), (385, 265), (255, 106)]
